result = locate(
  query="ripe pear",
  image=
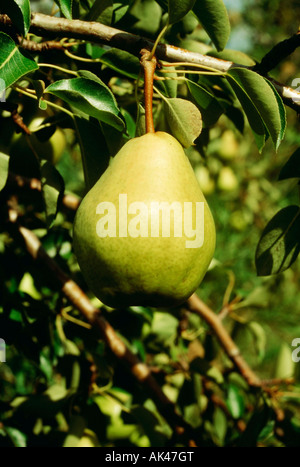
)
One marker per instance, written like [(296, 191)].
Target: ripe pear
[(122, 259)]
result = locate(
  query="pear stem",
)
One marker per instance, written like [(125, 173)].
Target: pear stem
[(149, 66)]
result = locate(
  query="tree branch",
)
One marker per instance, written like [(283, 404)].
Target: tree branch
[(277, 54), (199, 307), (43, 25)]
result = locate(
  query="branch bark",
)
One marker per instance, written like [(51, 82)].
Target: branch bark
[(278, 53), (43, 25), (199, 307)]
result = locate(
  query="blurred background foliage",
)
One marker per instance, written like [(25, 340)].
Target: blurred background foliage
[(60, 385)]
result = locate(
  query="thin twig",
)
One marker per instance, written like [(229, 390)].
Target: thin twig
[(199, 307)]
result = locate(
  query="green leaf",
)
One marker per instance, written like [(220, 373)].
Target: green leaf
[(130, 123), (102, 11), (4, 166), (169, 87), (178, 9), (292, 168), (39, 87), (18, 438), (265, 99), (235, 402), (235, 56), (184, 119), (122, 62), (236, 116), (94, 151), (144, 18), (14, 63), (140, 121), (19, 13), (279, 245), (89, 96), (65, 7), (213, 16), (255, 121), (260, 339), (209, 106), (120, 9), (52, 188), (255, 425)]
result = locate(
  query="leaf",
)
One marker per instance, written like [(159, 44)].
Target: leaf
[(255, 425), (102, 11), (213, 16), (122, 62), (52, 188), (279, 245), (184, 119), (235, 56), (209, 106), (39, 87), (4, 166), (120, 9), (18, 438), (169, 87), (260, 339), (94, 151), (144, 18), (14, 63), (140, 121), (265, 99), (19, 13), (89, 96), (178, 9), (65, 7), (292, 168), (255, 121), (285, 367), (235, 402), (236, 116), (130, 123)]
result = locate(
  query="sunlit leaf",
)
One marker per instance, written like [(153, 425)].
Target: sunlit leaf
[(4, 165), (90, 96), (235, 402), (210, 107), (265, 100), (184, 119), (213, 16), (14, 63), (66, 7)]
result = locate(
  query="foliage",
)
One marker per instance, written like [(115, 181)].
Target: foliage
[(60, 385)]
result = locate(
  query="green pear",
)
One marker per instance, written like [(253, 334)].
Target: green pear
[(144, 234)]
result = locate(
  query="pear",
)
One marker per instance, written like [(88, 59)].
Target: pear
[(144, 234)]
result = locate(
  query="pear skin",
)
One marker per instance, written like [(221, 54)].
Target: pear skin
[(126, 257)]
